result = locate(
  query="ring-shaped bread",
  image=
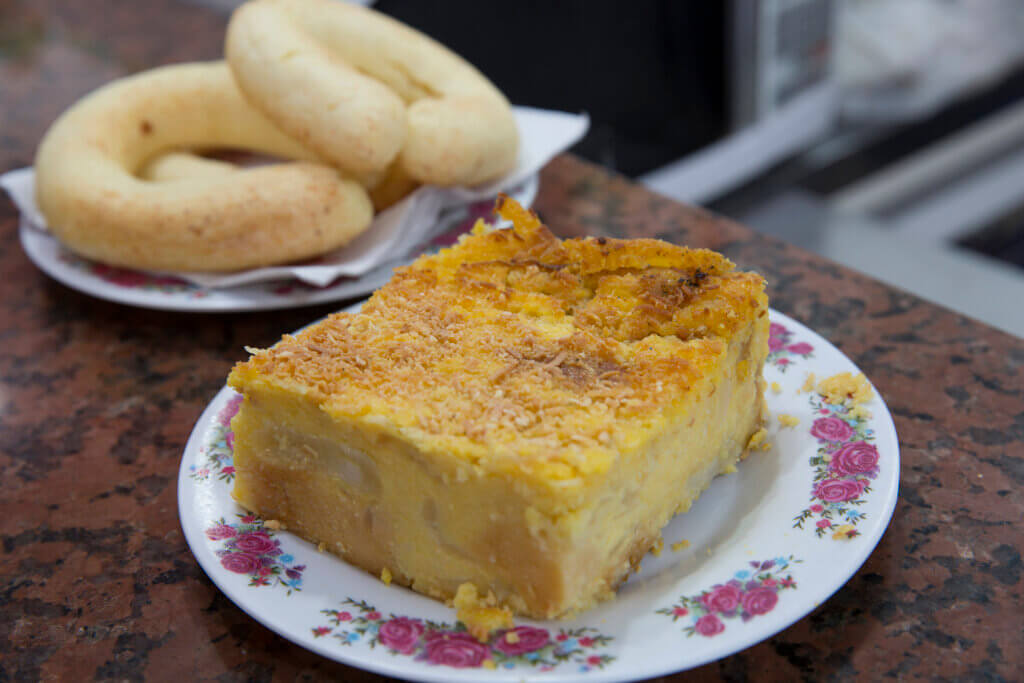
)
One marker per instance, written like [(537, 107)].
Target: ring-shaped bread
[(394, 187), (363, 90), (93, 201)]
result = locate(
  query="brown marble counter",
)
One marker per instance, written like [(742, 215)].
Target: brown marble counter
[(97, 401)]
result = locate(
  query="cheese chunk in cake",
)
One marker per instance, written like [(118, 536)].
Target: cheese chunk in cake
[(517, 412)]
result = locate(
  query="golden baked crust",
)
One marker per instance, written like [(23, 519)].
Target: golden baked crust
[(517, 351), (518, 413)]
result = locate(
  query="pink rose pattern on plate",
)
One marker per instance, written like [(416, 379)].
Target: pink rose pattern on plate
[(782, 349), (464, 219), (165, 284), (749, 593), (358, 623), (219, 446), (457, 221), (132, 279), (844, 465), (249, 548)]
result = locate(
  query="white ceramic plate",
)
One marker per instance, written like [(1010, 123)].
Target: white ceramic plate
[(765, 547), (137, 288)]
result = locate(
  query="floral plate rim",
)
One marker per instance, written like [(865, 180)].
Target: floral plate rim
[(134, 288), (725, 616)]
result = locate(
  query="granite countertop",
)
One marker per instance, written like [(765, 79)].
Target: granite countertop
[(97, 401)]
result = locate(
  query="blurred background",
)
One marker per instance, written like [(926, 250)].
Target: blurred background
[(887, 135)]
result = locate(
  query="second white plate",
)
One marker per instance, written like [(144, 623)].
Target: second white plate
[(137, 288)]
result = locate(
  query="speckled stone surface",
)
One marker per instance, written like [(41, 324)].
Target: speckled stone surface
[(97, 401)]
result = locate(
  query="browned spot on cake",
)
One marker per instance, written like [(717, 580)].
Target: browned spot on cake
[(516, 334)]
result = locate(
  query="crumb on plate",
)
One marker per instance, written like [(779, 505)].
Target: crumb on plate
[(481, 615), (846, 387), (788, 420), (759, 441)]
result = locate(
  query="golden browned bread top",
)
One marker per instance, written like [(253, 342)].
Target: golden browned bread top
[(522, 352)]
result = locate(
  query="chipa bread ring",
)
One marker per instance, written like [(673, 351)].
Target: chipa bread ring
[(93, 201), (363, 90), (395, 186)]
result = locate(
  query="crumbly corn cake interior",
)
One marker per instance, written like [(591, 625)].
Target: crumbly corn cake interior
[(516, 412)]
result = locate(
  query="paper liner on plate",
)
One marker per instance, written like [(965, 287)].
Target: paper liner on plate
[(395, 233)]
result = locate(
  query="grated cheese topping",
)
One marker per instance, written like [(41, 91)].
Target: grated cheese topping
[(520, 352)]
